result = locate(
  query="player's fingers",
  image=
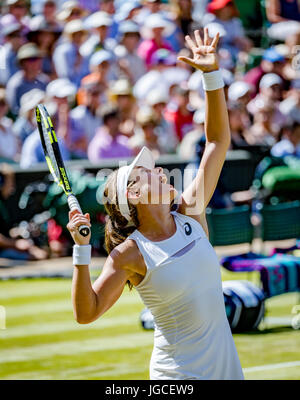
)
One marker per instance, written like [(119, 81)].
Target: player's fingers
[(80, 220), (215, 40), (198, 38), (73, 213), (186, 60), (206, 37), (87, 215), (190, 43), (71, 227)]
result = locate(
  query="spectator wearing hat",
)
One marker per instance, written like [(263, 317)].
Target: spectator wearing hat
[(25, 123), (70, 10), (9, 145), (59, 93), (67, 59), (154, 31), (130, 63), (29, 77), (272, 62), (13, 40), (108, 6), (239, 95), (62, 93), (120, 94), (187, 149), (289, 145), (108, 142), (45, 36), (101, 66), (158, 100), (17, 12), (98, 23), (182, 116), (128, 11), (240, 92), (271, 87), (225, 13), (173, 36), (270, 92), (85, 118), (145, 134)]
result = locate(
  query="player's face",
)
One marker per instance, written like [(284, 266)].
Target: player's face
[(150, 187)]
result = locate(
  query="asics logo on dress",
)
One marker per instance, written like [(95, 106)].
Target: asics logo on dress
[(187, 229)]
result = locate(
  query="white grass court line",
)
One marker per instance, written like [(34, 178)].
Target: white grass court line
[(272, 366)]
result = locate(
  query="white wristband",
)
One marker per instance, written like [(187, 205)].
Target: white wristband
[(212, 80), (82, 254)]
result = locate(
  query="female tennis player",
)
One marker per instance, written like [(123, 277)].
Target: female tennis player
[(164, 254)]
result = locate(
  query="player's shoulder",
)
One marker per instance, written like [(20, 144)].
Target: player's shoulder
[(126, 253)]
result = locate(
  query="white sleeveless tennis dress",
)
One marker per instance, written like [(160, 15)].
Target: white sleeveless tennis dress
[(183, 290)]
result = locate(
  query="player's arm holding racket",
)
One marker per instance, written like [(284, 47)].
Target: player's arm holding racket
[(197, 195), (90, 301)]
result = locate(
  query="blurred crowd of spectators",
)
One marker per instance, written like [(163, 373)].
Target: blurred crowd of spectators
[(109, 76), (108, 73)]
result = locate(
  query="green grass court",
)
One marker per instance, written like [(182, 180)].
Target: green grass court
[(43, 341)]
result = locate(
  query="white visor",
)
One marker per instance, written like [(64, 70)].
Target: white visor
[(143, 159)]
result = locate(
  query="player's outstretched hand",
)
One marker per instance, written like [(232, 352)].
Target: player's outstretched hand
[(204, 51), (75, 221)]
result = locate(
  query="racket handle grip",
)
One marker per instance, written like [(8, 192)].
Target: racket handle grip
[(84, 230)]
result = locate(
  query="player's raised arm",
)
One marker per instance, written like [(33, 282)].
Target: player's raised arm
[(198, 194)]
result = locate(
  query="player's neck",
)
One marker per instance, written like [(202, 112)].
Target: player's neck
[(156, 222)]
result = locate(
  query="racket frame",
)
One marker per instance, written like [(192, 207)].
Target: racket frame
[(43, 119)]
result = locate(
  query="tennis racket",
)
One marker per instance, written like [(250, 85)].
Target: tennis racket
[(55, 161)]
